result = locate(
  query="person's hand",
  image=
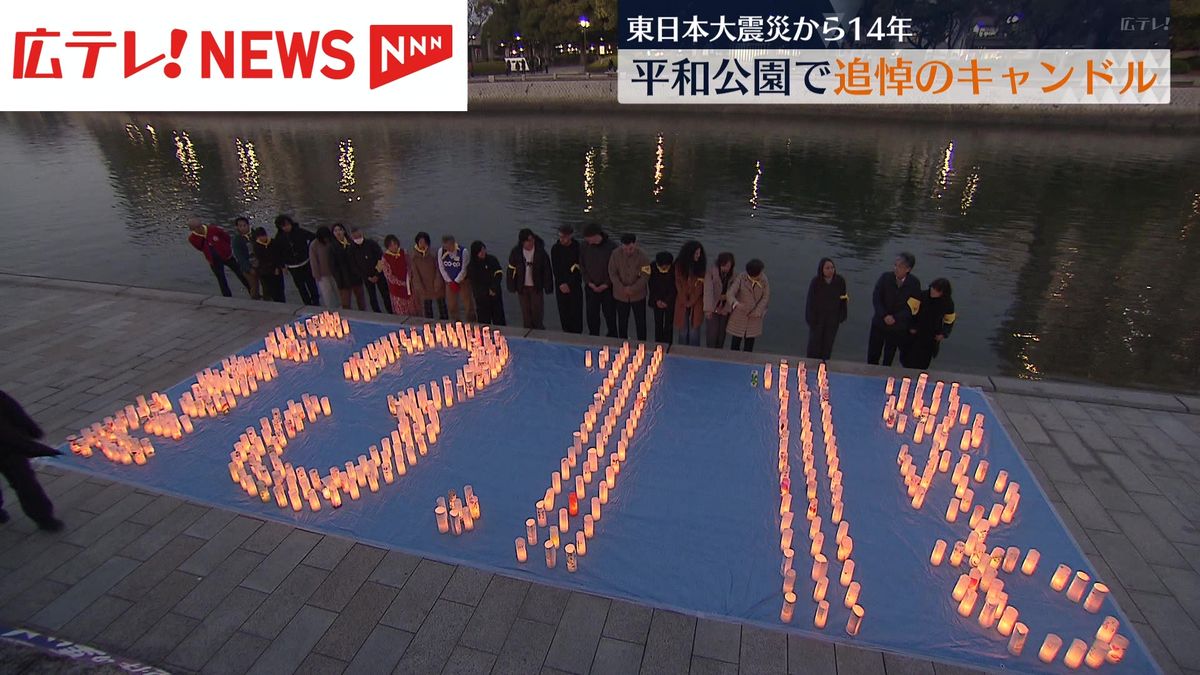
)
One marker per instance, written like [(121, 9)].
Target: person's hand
[(939, 337), (601, 288), (912, 331), (708, 315), (660, 304), (564, 288), (889, 320), (278, 272), (492, 293), (373, 280)]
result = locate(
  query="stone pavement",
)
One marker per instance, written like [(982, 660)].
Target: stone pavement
[(196, 589)]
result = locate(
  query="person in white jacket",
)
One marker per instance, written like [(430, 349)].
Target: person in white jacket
[(452, 264)]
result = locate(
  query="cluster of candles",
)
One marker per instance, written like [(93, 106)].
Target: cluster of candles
[(609, 403), (255, 465), (457, 515), (112, 436), (366, 364), (844, 543), (215, 391), (924, 416), (292, 343)]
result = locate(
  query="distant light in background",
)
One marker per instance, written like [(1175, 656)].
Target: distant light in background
[(153, 135), (604, 152), (346, 185), (247, 169), (589, 180), (134, 133), (185, 152), (659, 166), (968, 197), (754, 186), (1031, 371), (944, 171)]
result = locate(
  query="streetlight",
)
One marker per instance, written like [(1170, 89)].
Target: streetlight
[(583, 26)]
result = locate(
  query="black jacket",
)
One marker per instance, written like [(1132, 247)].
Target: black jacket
[(565, 262), (543, 277), (266, 258), (485, 275), (662, 286), (889, 298), (345, 268), (934, 316), (19, 433), (827, 301), (365, 257), (291, 248)]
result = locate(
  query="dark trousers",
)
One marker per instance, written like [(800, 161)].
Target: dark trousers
[(24, 482), (716, 330), (357, 292), (533, 307), (820, 339), (638, 307), (380, 286), (664, 324), (218, 269), (919, 352), (490, 309), (597, 302), (272, 286), (887, 342), (570, 309), (738, 344), (305, 283), (443, 312)]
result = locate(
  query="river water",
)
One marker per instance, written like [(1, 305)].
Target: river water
[(1073, 255)]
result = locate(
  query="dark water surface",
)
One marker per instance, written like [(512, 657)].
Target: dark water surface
[(1073, 255)]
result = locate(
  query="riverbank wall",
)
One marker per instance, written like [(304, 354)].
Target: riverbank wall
[(599, 94)]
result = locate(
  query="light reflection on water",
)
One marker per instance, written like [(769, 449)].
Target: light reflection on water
[(1072, 255)]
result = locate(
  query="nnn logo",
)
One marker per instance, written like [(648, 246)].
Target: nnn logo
[(397, 51)]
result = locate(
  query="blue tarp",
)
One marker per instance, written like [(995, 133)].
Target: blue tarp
[(692, 524)]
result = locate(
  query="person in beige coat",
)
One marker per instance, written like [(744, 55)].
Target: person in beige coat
[(426, 283), (749, 295), (716, 303), (320, 259), (629, 269)]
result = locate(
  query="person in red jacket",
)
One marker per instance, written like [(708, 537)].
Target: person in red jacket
[(217, 248)]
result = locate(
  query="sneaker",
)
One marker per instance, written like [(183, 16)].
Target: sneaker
[(3, 516), (51, 525)]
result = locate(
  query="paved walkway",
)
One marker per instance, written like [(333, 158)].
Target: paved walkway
[(197, 589)]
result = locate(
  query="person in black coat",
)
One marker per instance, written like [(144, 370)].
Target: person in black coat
[(267, 265), (486, 277), (291, 250), (19, 436), (368, 260), (893, 317), (933, 321), (662, 291), (346, 272), (825, 309), (568, 280), (530, 277)]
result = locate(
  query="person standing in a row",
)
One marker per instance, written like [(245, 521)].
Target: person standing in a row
[(452, 263), (291, 250), (346, 270), (629, 269), (893, 316), (214, 243), (486, 282), (530, 277), (368, 259), (243, 253), (749, 296), (716, 299), (690, 270), (428, 287), (267, 265), (568, 290), (825, 309), (934, 320), (398, 275), (594, 257), (320, 259), (662, 293)]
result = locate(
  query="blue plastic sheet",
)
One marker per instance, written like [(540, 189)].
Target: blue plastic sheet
[(693, 522)]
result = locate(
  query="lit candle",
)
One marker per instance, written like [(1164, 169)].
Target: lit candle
[(531, 531), (1116, 648), (964, 504), (788, 558), (1050, 647), (579, 487), (1061, 575), (939, 552), (852, 592), (785, 540), (820, 589), (580, 543), (845, 548), (541, 514), (966, 606), (818, 543), (1008, 621), (854, 623), (961, 588), (842, 531), (1095, 598), (1016, 643), (1001, 481), (987, 617), (847, 572), (1075, 654), (789, 607), (981, 471), (1031, 562), (521, 556), (596, 509), (952, 510), (789, 581), (976, 516), (1010, 558), (554, 535), (822, 614), (1108, 628), (820, 566), (443, 522), (1078, 586), (589, 526), (572, 562), (562, 520), (551, 554)]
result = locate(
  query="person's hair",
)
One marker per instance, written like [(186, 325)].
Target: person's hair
[(336, 226), (821, 266), (391, 238), (593, 230), (629, 238), (258, 232), (476, 247), (909, 259), (355, 229), (283, 218), (524, 234), (754, 267), (685, 263), (663, 258), (421, 235), (447, 238), (942, 285), (566, 229), (723, 258), (241, 219), (324, 234)]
